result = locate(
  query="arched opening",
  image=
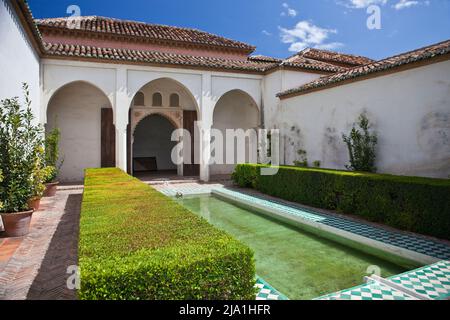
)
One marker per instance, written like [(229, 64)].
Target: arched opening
[(157, 100), (177, 105), (174, 100), (152, 146), (234, 110), (139, 99), (84, 115)]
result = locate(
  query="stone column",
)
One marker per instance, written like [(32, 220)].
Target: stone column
[(206, 119), (121, 112)]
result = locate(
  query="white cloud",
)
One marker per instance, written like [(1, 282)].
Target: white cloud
[(403, 4), (266, 33), (306, 34), (360, 4), (289, 11)]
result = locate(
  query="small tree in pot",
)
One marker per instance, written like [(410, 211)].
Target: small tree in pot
[(51, 162), (20, 140)]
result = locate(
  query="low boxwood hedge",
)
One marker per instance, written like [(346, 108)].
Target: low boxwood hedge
[(415, 204), (137, 244)]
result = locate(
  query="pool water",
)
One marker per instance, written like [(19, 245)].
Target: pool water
[(298, 264)]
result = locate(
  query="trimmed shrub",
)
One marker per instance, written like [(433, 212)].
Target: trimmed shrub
[(137, 244), (414, 204)]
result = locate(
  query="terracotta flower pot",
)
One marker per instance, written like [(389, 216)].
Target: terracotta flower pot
[(16, 224), (34, 203), (50, 189)]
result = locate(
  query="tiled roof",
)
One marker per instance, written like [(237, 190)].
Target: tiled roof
[(258, 64), (153, 57), (335, 57), (26, 11), (298, 61), (143, 30), (264, 58), (425, 53), (310, 59)]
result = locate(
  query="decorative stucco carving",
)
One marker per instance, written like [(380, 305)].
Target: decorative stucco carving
[(174, 115)]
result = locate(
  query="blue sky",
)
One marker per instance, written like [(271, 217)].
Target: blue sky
[(280, 27)]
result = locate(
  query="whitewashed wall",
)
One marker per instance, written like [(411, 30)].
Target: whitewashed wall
[(76, 110), (18, 60), (277, 82), (235, 110), (410, 111), (273, 84)]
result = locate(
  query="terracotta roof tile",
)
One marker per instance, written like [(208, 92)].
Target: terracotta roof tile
[(143, 30), (335, 57), (264, 58), (300, 61), (258, 63), (26, 11), (153, 57), (425, 53)]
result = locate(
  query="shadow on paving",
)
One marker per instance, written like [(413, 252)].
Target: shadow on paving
[(51, 280)]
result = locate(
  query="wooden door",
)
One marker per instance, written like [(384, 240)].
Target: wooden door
[(108, 139), (129, 146), (189, 119)]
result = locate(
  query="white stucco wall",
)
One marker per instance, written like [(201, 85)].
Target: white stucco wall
[(166, 87), (76, 110), (277, 82), (410, 111), (273, 84), (235, 110), (18, 60)]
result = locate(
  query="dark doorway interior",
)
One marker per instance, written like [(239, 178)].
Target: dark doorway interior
[(152, 147), (189, 119)]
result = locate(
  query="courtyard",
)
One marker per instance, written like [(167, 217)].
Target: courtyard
[(152, 162), (38, 266)]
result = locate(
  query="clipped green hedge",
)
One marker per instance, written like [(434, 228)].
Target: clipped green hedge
[(137, 244), (415, 204)]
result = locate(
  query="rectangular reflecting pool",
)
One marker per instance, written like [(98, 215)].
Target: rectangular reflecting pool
[(298, 264)]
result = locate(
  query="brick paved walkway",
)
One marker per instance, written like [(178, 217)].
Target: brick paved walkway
[(34, 267)]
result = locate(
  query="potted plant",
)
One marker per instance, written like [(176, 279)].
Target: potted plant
[(51, 162), (50, 183), (20, 139), (38, 178)]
